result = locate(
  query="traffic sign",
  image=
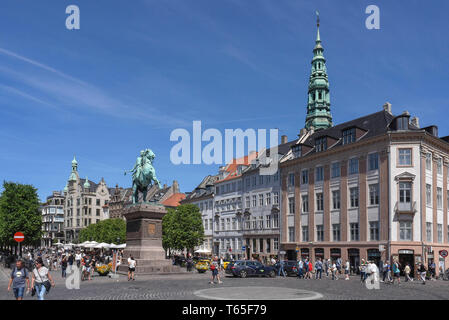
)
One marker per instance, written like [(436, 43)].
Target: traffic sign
[(443, 253), (19, 237), (243, 247)]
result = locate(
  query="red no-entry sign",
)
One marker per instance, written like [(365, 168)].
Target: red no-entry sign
[(19, 237)]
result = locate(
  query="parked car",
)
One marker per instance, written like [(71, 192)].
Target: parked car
[(246, 268), (290, 267)]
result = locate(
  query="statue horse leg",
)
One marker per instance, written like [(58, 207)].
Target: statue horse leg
[(135, 193), (144, 192)]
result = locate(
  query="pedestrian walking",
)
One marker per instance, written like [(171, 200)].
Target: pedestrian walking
[(214, 266), (300, 269), (362, 269), (41, 280), (334, 271), (281, 269), (396, 272), (407, 273), (318, 268), (131, 268), (64, 266), (347, 269), (78, 259), (422, 272), (19, 280)]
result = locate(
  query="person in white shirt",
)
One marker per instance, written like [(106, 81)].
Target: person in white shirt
[(131, 268), (347, 269)]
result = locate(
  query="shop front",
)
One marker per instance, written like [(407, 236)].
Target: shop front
[(319, 253), (335, 254), (374, 255), (406, 257), (305, 253)]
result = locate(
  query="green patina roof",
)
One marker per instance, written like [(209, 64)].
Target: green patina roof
[(86, 183)]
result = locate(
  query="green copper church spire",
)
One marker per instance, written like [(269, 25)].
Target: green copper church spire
[(318, 104)]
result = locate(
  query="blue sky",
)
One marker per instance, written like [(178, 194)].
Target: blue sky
[(134, 72)]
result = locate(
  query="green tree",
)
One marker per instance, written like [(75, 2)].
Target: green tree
[(19, 211), (182, 228), (105, 231)]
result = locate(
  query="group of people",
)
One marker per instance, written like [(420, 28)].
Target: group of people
[(306, 269), (41, 280)]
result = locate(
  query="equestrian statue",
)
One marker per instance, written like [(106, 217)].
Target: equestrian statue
[(144, 175)]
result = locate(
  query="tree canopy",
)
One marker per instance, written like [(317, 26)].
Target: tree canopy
[(19, 211), (105, 231), (182, 228)]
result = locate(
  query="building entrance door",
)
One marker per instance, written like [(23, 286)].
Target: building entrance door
[(291, 255), (404, 259), (354, 260)]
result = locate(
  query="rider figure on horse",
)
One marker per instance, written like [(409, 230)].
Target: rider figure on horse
[(143, 174)]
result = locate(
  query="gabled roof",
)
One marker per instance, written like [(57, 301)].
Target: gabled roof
[(174, 200)]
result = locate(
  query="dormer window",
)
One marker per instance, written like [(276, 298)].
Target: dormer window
[(402, 123), (349, 136), (296, 151), (320, 144)]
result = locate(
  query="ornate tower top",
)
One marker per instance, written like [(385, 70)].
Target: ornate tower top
[(74, 174), (86, 183), (318, 104)]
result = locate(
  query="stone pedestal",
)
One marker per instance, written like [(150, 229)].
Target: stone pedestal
[(144, 240)]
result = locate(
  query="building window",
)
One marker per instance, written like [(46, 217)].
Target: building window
[(428, 195), (354, 228), (402, 123), (336, 232), (98, 212), (439, 166), (268, 221), (354, 197), (335, 171), (261, 199), (291, 179), (405, 157), (429, 161), (305, 204), (319, 202), (98, 202), (374, 230), (268, 198), (319, 174), (405, 195), (276, 198), (405, 230), (254, 201), (275, 244), (320, 232), (336, 199), (353, 166), (320, 144), (291, 205), (248, 202), (349, 136), (291, 234), (305, 233), (373, 161), (439, 198), (374, 194), (275, 220), (440, 232), (304, 176), (429, 231), (296, 151)]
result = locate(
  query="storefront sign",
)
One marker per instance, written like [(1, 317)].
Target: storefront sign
[(405, 251)]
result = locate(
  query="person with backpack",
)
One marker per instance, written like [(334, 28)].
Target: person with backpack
[(131, 268), (214, 269), (42, 280), (19, 280), (396, 272)]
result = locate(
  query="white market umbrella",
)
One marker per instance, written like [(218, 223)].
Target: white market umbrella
[(102, 245), (91, 244), (58, 244), (118, 246), (202, 251)]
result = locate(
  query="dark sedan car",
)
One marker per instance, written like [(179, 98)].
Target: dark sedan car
[(290, 267), (246, 268)]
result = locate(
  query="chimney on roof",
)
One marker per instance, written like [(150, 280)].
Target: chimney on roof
[(415, 121), (387, 107), (302, 132), (284, 139), (165, 186), (175, 186)]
